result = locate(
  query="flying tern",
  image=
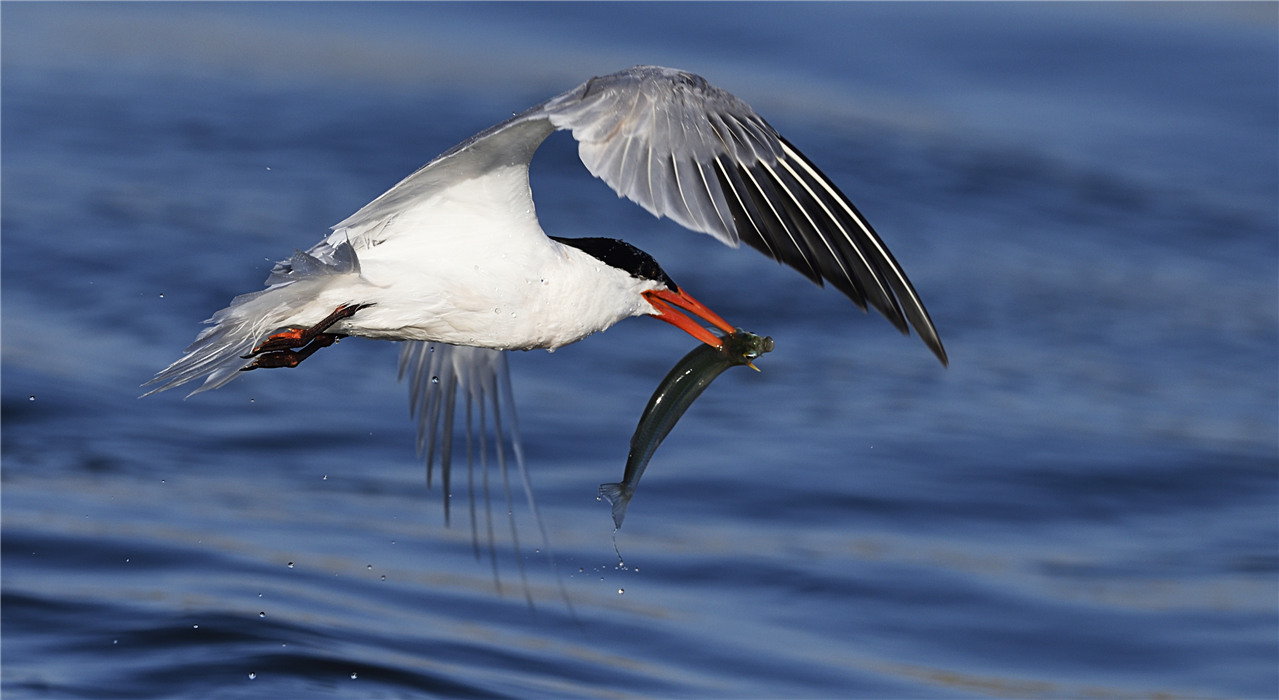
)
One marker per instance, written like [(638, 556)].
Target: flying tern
[(452, 260)]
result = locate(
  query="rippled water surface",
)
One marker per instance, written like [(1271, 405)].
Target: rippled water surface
[(1086, 503)]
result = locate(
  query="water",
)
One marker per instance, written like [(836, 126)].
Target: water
[(1085, 503)]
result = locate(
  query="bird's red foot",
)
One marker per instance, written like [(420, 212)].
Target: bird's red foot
[(295, 337), (281, 340), (278, 350), (291, 358)]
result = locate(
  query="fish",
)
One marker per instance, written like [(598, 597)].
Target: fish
[(681, 387)]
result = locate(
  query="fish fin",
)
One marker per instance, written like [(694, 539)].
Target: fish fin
[(619, 499)]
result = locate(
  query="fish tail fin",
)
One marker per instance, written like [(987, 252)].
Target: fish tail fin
[(619, 498)]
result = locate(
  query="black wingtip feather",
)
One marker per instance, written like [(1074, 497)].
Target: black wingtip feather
[(863, 238)]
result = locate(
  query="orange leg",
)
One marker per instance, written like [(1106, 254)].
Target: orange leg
[(278, 349), (291, 358)]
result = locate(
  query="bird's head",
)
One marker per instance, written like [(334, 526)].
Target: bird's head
[(665, 298)]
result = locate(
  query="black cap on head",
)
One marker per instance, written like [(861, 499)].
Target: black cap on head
[(623, 256)]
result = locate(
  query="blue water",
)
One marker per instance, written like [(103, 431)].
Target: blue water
[(1086, 503)]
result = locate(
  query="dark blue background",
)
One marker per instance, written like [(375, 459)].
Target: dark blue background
[(1085, 503)]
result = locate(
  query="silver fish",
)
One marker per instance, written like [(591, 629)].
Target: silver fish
[(681, 387)]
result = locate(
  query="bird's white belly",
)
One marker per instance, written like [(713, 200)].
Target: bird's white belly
[(474, 276), (494, 307)]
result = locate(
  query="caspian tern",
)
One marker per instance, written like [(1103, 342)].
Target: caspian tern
[(453, 260)]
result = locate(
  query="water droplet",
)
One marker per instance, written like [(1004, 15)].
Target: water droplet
[(290, 565), (497, 310), (161, 295), (253, 675), (435, 380), (31, 397), (370, 567), (354, 675), (262, 614), (383, 577), (620, 591), (195, 627), (581, 570), (325, 478), (115, 641)]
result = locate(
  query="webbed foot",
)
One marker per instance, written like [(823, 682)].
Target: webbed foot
[(291, 358), (289, 346)]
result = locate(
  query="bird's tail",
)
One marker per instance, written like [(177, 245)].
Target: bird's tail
[(619, 497), (218, 352)]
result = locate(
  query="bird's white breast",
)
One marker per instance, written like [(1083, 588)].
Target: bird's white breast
[(470, 265)]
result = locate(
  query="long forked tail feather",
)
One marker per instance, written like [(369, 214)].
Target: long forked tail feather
[(217, 353)]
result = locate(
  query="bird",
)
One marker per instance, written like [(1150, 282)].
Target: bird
[(453, 262)]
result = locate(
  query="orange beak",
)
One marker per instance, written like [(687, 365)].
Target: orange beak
[(668, 303)]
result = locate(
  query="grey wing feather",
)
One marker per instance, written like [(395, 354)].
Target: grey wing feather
[(438, 374), (510, 143), (652, 134), (683, 148)]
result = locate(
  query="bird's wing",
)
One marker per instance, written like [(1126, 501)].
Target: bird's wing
[(508, 144), (438, 374), (681, 147)]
